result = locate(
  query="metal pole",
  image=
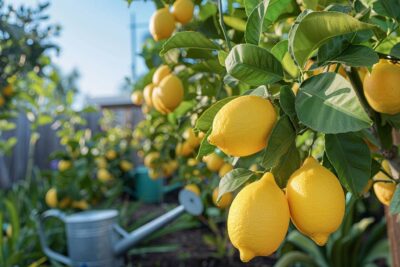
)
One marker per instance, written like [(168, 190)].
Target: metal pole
[(134, 237)]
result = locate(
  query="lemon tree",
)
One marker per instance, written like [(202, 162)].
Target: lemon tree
[(305, 92)]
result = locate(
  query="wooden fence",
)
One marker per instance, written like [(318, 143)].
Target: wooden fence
[(13, 167)]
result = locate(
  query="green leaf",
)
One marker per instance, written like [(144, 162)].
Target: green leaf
[(14, 219), (205, 147), (222, 55), (44, 119), (280, 51), (351, 158), (286, 166), (389, 8), (207, 10), (188, 40), (313, 29), (253, 65), (357, 56), (395, 51), (278, 7), (327, 103), (254, 26), (235, 23), (287, 102), (250, 5), (393, 120), (204, 122), (395, 202), (259, 91), (280, 142), (233, 180)]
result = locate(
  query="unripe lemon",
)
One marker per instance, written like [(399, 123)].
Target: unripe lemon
[(193, 188), (184, 149), (225, 200), (126, 165), (111, 154), (81, 204), (169, 94), (64, 165), (137, 98), (147, 93), (213, 162), (243, 125), (104, 175), (384, 191), (183, 11), (151, 158), (382, 87), (2, 101), (191, 137), (225, 169), (258, 219), (162, 24), (8, 90), (51, 198), (161, 72), (316, 201)]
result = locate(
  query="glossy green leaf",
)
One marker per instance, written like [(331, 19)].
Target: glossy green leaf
[(281, 52), (188, 40), (351, 158), (205, 147), (393, 120), (357, 56), (389, 8), (280, 142), (312, 29), (287, 102), (395, 51), (235, 23), (233, 180), (250, 5), (204, 122), (395, 202), (286, 166), (278, 7), (253, 65), (327, 103), (254, 25)]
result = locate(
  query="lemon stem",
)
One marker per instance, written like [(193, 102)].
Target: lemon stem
[(221, 22)]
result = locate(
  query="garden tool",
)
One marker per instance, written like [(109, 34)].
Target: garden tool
[(94, 239)]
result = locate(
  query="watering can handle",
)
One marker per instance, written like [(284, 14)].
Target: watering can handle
[(48, 251)]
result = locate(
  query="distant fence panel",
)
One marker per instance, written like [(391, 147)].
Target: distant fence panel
[(13, 167)]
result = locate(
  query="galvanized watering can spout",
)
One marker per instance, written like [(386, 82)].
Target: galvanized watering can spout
[(95, 240)]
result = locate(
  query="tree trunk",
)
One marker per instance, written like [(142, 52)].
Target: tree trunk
[(393, 225)]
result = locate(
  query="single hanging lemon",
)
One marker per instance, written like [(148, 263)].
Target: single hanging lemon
[(137, 98), (382, 87), (193, 188), (51, 198), (183, 11), (161, 72), (225, 169), (243, 125), (213, 162), (384, 191), (225, 200), (316, 201), (258, 219), (168, 95), (162, 24)]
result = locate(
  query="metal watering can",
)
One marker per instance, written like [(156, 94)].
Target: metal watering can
[(95, 240)]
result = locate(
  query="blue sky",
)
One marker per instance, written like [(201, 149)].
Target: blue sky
[(96, 40)]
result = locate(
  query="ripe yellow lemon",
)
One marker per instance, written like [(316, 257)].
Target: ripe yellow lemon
[(65, 202), (2, 101), (191, 137), (382, 87), (101, 162), (137, 98), (225, 169), (111, 154), (194, 188), (126, 165), (192, 162), (161, 72), (316, 201), (169, 94), (151, 158), (147, 93), (225, 200), (243, 125), (8, 90), (213, 162), (183, 11), (64, 165), (104, 175), (162, 24), (154, 174), (51, 198), (258, 219), (81, 204), (384, 191), (183, 149), (169, 168)]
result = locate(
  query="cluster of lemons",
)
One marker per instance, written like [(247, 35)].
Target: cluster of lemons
[(164, 94), (313, 198), (103, 174), (162, 22), (5, 94)]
